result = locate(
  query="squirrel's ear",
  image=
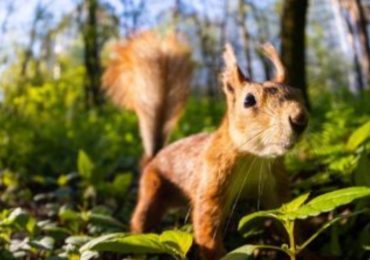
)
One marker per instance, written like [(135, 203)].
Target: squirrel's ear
[(271, 53), (232, 76)]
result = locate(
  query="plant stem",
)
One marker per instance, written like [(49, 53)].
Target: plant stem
[(292, 249), (325, 226)]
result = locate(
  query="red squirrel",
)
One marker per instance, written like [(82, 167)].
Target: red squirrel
[(151, 74)]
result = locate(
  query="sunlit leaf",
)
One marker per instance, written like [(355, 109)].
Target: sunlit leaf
[(46, 243), (84, 165), (359, 136), (127, 244), (87, 255), (122, 182), (328, 202), (242, 253), (68, 214), (169, 242), (296, 203), (178, 240)]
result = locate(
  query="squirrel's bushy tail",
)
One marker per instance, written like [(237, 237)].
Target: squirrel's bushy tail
[(150, 73)]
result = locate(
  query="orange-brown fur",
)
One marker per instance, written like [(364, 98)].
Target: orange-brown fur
[(150, 74), (208, 170)]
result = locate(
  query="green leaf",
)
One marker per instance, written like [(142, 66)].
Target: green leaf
[(180, 241), (20, 219), (241, 253), (84, 165), (87, 255), (169, 242), (77, 240), (122, 182), (46, 243), (296, 203), (259, 214), (127, 244), (68, 214), (359, 136), (328, 202), (104, 220)]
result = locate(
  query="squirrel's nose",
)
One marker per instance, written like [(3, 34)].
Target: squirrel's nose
[(299, 122)]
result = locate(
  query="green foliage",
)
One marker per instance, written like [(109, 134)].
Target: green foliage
[(334, 145), (67, 172), (298, 209), (85, 166), (359, 137), (172, 242)]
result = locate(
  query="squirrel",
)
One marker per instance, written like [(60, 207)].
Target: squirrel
[(208, 171)]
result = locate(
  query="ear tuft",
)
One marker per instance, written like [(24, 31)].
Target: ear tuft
[(232, 76), (229, 56), (270, 52)]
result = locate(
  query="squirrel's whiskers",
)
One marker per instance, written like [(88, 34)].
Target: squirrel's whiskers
[(151, 74)]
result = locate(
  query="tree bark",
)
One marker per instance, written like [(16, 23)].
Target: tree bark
[(92, 56), (354, 16), (293, 43), (364, 36), (242, 16)]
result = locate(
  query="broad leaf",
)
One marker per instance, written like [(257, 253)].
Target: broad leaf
[(84, 165), (127, 244), (68, 214), (328, 202), (46, 243), (87, 255), (359, 136), (121, 183), (241, 253), (179, 241), (169, 242), (77, 240), (104, 220), (296, 203)]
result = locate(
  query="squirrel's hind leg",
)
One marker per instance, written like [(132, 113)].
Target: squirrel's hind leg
[(151, 204)]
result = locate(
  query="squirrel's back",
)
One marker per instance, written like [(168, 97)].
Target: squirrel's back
[(150, 73)]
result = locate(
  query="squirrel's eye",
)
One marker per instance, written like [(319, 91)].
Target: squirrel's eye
[(249, 101)]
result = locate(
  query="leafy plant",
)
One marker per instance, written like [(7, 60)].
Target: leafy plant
[(298, 209), (173, 242)]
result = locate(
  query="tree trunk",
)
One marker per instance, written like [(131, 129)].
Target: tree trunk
[(354, 16), (293, 43), (364, 36), (242, 16), (91, 56)]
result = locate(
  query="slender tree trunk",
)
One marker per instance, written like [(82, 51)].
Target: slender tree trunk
[(356, 59), (207, 53), (264, 35), (355, 19), (363, 26), (92, 56), (359, 17), (242, 16), (293, 43)]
